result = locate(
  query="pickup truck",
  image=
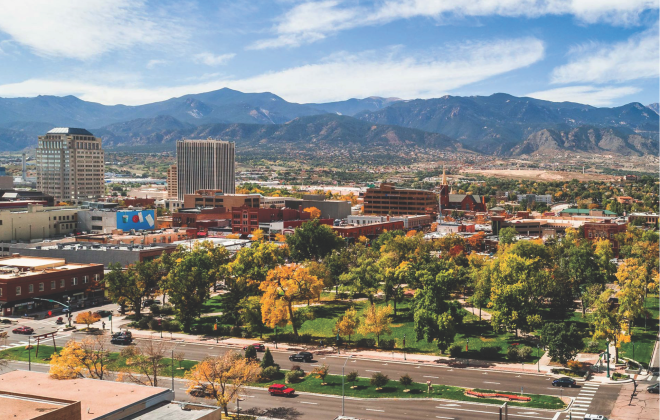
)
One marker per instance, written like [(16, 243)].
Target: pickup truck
[(281, 389)]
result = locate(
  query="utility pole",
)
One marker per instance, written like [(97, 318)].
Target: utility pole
[(608, 360), (342, 385)]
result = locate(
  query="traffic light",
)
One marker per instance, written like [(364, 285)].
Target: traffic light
[(50, 313), (215, 327), (110, 317)]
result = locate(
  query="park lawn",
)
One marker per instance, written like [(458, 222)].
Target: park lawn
[(212, 305), (643, 338), (480, 333), (417, 390), (118, 362)]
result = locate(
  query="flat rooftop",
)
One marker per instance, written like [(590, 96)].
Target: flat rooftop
[(18, 407), (32, 262), (98, 398)]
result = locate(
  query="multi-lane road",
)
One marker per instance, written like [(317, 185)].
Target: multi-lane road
[(588, 398)]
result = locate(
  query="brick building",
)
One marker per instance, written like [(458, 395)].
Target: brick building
[(369, 231), (246, 220), (388, 200), (216, 198), (24, 278), (604, 230)]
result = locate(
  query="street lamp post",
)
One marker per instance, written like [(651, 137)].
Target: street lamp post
[(276, 336), (173, 370), (467, 349), (342, 385), (29, 354), (404, 347), (538, 362), (608, 360)]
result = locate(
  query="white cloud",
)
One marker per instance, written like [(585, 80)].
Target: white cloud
[(84, 29), (338, 77), (211, 59), (635, 58), (314, 20), (153, 63), (592, 95)]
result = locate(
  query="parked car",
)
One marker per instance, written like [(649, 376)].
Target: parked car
[(565, 381), (594, 417), (122, 337), (59, 320), (303, 356), (200, 391), (281, 389), (257, 347), (23, 330), (103, 313), (653, 389), (148, 302)]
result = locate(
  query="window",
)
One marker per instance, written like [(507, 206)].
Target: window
[(0, 291), (41, 287), (97, 277), (74, 281), (31, 288), (18, 290), (52, 284), (62, 283), (85, 279)]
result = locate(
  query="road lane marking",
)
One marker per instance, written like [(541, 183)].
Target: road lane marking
[(556, 415), (495, 412), (374, 371), (495, 383), (448, 405), (440, 417), (434, 377), (373, 409), (307, 402)]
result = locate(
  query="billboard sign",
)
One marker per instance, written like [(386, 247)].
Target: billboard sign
[(136, 219)]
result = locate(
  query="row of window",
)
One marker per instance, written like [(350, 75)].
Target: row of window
[(53, 284)]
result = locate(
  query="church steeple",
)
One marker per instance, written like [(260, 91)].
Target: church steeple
[(444, 176)]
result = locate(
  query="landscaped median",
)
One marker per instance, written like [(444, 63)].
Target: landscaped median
[(361, 388), (332, 384)]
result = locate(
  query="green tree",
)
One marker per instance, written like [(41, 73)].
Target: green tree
[(507, 236), (313, 241), (563, 341), (250, 353), (250, 312), (124, 287), (267, 360)]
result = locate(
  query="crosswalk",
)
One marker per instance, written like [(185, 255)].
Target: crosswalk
[(13, 345), (582, 402)]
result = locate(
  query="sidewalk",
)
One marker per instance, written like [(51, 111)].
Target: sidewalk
[(644, 406)]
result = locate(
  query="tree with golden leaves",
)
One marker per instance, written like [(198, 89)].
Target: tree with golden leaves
[(258, 235), (223, 377), (87, 318), (320, 372), (347, 324), (285, 286), (78, 359), (631, 277), (314, 213), (608, 322), (377, 321)]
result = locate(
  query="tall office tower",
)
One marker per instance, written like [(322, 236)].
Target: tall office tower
[(70, 164), (204, 165), (172, 181)]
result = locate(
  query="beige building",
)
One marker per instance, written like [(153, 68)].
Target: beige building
[(70, 165), (172, 183), (37, 222), (204, 164), (216, 198)]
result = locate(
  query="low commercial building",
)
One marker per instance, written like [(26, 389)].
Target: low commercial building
[(106, 221), (535, 198), (646, 218), (216, 198), (35, 395), (24, 278), (145, 237), (191, 216), (388, 200), (36, 222), (605, 230), (416, 222), (330, 209), (587, 212), (447, 228), (369, 231), (246, 220), (273, 202)]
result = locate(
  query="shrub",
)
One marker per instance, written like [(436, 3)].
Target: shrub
[(270, 373), (320, 372), (592, 347), (174, 325), (387, 344), (251, 353), (153, 324), (305, 338), (155, 310), (267, 361), (524, 352), (352, 376), (405, 380), (489, 352), (518, 353), (616, 376), (166, 310), (296, 367), (143, 323), (575, 366), (293, 376), (235, 331), (379, 380), (455, 350), (366, 342)]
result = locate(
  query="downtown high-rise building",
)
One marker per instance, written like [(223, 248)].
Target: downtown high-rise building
[(204, 165), (70, 165)]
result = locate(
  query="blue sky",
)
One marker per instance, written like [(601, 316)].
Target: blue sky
[(600, 52)]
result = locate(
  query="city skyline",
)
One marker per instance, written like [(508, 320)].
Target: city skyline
[(603, 54)]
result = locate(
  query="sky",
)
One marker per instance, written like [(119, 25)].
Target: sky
[(599, 52)]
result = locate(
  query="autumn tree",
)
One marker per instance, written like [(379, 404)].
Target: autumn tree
[(631, 277), (257, 235), (313, 241), (87, 318), (348, 323), (314, 213), (607, 322), (320, 372), (377, 321), (223, 377), (78, 359), (285, 286), (145, 362)]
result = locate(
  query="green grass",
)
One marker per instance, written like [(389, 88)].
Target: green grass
[(117, 362), (212, 305), (643, 339), (417, 390)]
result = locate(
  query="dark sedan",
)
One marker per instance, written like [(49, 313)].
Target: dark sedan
[(303, 356), (653, 389), (564, 382)]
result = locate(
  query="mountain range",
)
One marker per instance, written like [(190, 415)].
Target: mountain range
[(498, 124)]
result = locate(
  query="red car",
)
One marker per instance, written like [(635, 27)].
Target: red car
[(257, 347), (280, 389), (23, 330)]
